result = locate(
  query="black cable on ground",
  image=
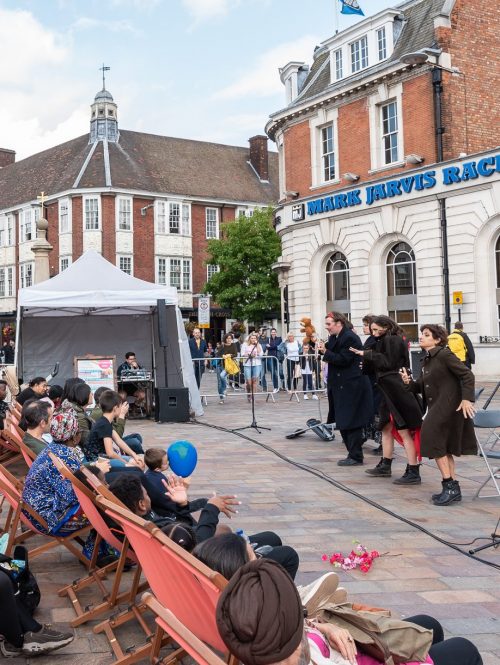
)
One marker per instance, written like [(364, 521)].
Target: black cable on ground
[(344, 488)]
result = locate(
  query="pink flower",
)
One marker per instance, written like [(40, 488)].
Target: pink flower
[(324, 557)]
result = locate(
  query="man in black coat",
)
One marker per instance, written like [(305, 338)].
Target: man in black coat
[(199, 351), (349, 393)]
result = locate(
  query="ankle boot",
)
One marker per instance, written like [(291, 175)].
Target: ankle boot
[(411, 476), (438, 494), (383, 468), (451, 492)]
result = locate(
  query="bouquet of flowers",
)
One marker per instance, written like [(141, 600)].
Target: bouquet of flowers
[(359, 556)]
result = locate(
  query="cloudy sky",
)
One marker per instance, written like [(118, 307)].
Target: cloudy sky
[(200, 69)]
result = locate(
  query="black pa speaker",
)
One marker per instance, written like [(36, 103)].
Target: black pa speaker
[(162, 323), (171, 405)]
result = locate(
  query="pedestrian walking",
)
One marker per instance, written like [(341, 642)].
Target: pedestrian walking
[(349, 393), (447, 386), (460, 344), (199, 351), (228, 348)]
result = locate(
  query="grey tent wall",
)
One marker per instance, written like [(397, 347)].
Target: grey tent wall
[(47, 340), (173, 356)]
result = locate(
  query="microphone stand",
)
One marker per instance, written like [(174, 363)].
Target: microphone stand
[(253, 424)]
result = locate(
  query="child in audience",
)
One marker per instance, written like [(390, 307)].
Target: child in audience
[(156, 461), (104, 441)]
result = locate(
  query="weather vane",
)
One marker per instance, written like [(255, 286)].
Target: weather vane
[(104, 69)]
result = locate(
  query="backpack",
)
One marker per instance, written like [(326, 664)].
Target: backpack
[(456, 344), (26, 589)]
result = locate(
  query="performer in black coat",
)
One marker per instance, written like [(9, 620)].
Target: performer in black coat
[(349, 392)]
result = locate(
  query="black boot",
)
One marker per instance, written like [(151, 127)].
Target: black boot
[(411, 476), (383, 468), (451, 492), (436, 496)]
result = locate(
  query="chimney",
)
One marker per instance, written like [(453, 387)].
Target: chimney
[(7, 157), (259, 157)]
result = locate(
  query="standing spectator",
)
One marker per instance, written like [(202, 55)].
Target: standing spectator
[(459, 343), (372, 430), (349, 394), (37, 388), (308, 367), (447, 387), (291, 349), (274, 355), (397, 408), (199, 351), (3, 404), (8, 350), (251, 352), (227, 348), (313, 343), (264, 342)]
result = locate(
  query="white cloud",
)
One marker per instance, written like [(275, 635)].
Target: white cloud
[(202, 10), (263, 79), (86, 23)]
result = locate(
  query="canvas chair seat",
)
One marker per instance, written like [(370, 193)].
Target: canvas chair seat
[(489, 420)]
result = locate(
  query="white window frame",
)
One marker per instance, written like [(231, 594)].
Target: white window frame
[(67, 228), (161, 263), (65, 259), (175, 268), (24, 269), (381, 42), (28, 216), (161, 214), (10, 230), (389, 134), (212, 269), (174, 217), (213, 233), (86, 199), (338, 62), (359, 54), (3, 232), (328, 152), (122, 258), (316, 124), (7, 279), (185, 219), (384, 95), (127, 201), (187, 270)]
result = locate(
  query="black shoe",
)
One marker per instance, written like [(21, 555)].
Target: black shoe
[(410, 477), (44, 641), (383, 469), (436, 496), (378, 450), (349, 461), (451, 492)]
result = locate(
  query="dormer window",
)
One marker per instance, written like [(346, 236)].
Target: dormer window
[(382, 44), (359, 54), (101, 111), (339, 68)]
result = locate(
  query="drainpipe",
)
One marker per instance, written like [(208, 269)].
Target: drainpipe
[(437, 78)]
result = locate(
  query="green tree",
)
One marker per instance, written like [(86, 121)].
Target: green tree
[(245, 252)]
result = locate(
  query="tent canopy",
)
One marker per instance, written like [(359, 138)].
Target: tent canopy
[(95, 286)]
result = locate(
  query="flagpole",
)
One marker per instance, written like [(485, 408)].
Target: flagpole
[(337, 18)]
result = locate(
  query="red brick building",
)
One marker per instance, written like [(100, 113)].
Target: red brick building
[(390, 168), (148, 203)]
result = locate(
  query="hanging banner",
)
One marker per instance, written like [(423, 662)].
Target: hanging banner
[(204, 312)]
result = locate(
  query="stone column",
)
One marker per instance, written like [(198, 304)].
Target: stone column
[(41, 248)]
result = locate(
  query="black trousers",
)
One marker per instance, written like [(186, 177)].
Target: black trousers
[(15, 620), (455, 651), (283, 554), (354, 439)]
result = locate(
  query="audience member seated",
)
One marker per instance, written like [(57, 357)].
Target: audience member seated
[(131, 492), (3, 404), (81, 394), (37, 388), (276, 632), (22, 635), (55, 395), (133, 441), (156, 461), (103, 440), (227, 552), (37, 415)]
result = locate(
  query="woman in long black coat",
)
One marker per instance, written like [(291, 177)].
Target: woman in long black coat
[(349, 391), (397, 407), (447, 386)]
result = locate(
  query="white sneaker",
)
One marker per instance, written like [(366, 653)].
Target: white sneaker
[(306, 397), (322, 591), (315, 397)]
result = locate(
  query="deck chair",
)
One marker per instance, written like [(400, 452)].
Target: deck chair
[(12, 489), (489, 420), (112, 598), (181, 583), (15, 439), (197, 649), (9, 452)]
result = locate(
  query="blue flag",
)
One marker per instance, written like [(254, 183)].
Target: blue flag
[(351, 7)]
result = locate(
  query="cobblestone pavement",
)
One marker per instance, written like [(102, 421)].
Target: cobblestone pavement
[(417, 574)]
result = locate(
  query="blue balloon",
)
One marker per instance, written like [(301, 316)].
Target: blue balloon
[(182, 458)]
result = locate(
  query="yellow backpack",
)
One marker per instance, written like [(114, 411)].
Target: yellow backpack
[(456, 344)]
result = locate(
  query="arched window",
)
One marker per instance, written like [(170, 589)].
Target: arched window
[(402, 288), (497, 262), (337, 284)]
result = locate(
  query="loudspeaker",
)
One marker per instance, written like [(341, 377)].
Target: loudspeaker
[(171, 405), (162, 322)]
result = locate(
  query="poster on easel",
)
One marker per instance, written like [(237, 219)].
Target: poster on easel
[(97, 371)]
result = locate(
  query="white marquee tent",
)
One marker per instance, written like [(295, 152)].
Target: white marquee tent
[(94, 308)]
